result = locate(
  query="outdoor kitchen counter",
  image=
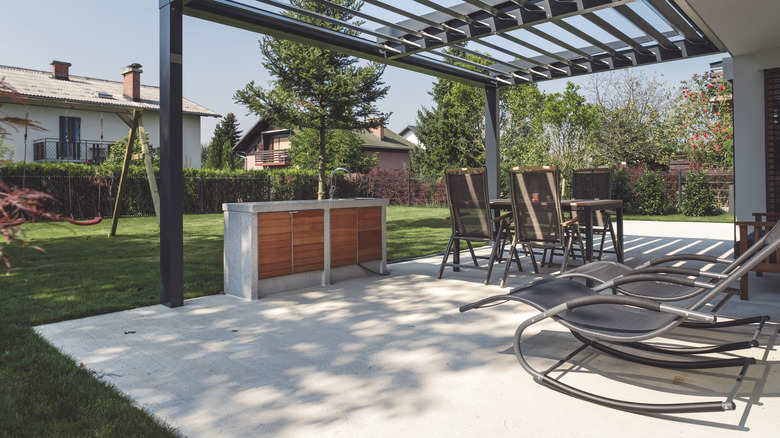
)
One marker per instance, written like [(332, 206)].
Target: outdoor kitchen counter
[(273, 247)]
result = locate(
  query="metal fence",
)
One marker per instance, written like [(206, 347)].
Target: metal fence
[(83, 197)]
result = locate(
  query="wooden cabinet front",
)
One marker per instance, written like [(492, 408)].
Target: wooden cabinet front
[(274, 244), (343, 237), (355, 235), (289, 243), (308, 241), (369, 234)]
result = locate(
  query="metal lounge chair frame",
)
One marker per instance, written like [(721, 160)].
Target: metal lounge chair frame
[(471, 218), (538, 219), (598, 320)]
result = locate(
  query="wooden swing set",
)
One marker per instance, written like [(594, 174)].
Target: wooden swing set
[(135, 123)]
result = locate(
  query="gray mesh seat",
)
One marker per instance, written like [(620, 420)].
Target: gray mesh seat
[(537, 217), (596, 183), (624, 326), (472, 221)]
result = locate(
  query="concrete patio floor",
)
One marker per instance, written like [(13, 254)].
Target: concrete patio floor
[(392, 356)]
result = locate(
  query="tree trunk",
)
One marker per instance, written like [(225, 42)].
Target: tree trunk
[(321, 166)]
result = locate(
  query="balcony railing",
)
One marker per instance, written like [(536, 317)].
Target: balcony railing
[(82, 151), (272, 158)]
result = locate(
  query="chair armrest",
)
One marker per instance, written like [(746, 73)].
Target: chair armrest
[(572, 221), (766, 217), (502, 217)]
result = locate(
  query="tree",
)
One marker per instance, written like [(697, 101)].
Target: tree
[(317, 88), (6, 151), (703, 122), (116, 153), (634, 117), (452, 131), (570, 129), (219, 153), (522, 126), (343, 149), (18, 205)]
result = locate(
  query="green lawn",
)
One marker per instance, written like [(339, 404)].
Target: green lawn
[(83, 272)]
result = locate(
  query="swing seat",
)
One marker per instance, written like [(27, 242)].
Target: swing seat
[(94, 221)]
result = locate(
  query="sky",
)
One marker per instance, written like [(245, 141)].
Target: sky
[(100, 37)]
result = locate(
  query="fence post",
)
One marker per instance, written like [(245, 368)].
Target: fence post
[(409, 189), (679, 188), (202, 194)]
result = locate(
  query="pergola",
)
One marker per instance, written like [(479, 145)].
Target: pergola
[(521, 41)]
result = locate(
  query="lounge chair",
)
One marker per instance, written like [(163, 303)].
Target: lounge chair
[(472, 221), (598, 320)]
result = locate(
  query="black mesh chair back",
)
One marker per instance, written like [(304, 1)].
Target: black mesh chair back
[(595, 183), (536, 204), (469, 204)]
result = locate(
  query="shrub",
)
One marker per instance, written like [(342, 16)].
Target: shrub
[(650, 191), (698, 200), (621, 188)]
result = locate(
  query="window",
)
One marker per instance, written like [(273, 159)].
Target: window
[(70, 135)]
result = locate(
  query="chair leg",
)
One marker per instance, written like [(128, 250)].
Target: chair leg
[(743, 287), (566, 250), (494, 253), (512, 252), (530, 249), (473, 256), (601, 247), (446, 256)]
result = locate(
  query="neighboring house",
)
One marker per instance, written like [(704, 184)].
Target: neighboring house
[(79, 114), (266, 147), (408, 133)]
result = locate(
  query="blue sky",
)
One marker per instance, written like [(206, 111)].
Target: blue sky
[(100, 37)]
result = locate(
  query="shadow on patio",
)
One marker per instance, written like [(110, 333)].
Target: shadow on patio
[(391, 356)]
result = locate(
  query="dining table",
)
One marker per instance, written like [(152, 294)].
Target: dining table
[(586, 208)]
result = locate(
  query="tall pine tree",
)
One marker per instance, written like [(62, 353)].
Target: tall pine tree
[(317, 88), (220, 151)]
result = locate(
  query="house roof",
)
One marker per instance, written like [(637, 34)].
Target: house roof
[(40, 85), (391, 140), (408, 128)]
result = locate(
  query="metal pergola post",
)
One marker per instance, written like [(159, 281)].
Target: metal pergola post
[(171, 171), (492, 138)]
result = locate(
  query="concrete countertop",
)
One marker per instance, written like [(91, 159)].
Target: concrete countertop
[(325, 204)]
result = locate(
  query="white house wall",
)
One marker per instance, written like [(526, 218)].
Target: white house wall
[(750, 132), (114, 129)]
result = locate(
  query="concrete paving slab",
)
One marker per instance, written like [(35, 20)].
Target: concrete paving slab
[(392, 356)]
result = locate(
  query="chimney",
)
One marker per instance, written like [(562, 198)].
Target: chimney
[(131, 80), (59, 70), (379, 132)]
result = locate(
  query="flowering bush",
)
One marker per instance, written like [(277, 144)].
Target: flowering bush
[(704, 122)]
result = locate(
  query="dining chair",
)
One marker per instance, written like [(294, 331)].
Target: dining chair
[(537, 216), (472, 219), (596, 183)]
